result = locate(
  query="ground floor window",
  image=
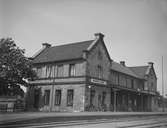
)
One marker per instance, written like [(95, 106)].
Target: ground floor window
[(103, 97), (57, 97), (46, 97), (70, 95), (92, 95)]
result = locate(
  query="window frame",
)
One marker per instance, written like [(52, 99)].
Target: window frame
[(70, 97), (92, 95), (100, 57), (49, 71), (58, 95), (103, 97), (72, 70), (47, 97), (60, 74), (39, 71), (99, 72), (152, 86)]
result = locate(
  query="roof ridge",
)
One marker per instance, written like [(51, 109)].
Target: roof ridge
[(72, 43), (140, 70), (127, 68), (138, 66)]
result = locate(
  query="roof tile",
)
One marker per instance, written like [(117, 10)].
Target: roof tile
[(123, 69), (140, 70), (62, 52)]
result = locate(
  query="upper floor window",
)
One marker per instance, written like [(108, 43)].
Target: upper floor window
[(145, 86), (99, 72), (46, 97), (49, 71), (99, 55), (39, 71), (60, 71), (45, 71), (152, 86), (141, 85), (72, 70)]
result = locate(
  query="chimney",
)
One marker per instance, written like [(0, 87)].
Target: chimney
[(46, 45), (122, 63), (99, 36), (150, 64)]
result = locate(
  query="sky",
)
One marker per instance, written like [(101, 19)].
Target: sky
[(135, 30)]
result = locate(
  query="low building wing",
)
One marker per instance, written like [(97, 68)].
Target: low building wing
[(140, 70), (123, 69)]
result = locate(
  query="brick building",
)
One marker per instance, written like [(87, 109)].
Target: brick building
[(82, 77)]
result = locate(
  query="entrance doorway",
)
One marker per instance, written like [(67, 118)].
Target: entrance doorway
[(36, 98)]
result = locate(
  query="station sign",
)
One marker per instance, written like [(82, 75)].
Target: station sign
[(96, 81)]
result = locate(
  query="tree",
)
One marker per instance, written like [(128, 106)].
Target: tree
[(15, 68)]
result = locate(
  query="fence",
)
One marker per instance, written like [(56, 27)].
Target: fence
[(11, 104)]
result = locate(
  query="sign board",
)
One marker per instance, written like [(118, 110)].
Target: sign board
[(98, 81)]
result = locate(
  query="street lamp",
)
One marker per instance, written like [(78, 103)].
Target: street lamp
[(162, 87), (138, 90)]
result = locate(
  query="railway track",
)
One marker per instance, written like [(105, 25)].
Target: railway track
[(130, 122)]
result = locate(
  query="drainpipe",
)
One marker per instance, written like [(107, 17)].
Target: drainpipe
[(115, 100), (52, 98), (51, 108)]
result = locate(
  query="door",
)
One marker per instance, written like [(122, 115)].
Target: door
[(36, 98)]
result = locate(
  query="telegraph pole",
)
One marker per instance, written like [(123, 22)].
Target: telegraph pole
[(162, 87)]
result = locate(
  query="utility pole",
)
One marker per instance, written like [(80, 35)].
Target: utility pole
[(162, 87)]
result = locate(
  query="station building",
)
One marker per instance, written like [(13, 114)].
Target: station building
[(81, 76)]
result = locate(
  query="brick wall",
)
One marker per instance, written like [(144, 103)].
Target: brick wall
[(98, 91), (78, 99), (44, 70), (93, 61)]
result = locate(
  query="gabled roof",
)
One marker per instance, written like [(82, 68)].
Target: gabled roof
[(63, 52), (123, 69), (141, 71)]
